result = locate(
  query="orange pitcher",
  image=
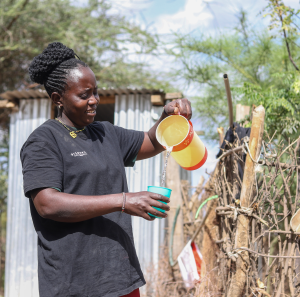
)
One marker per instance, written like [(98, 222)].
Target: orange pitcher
[(177, 132)]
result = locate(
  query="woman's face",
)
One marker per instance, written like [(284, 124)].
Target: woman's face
[(80, 99)]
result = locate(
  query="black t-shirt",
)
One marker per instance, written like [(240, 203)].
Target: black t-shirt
[(94, 258)]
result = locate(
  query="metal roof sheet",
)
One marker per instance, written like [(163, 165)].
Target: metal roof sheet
[(41, 93)]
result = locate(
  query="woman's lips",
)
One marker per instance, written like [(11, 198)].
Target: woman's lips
[(91, 111)]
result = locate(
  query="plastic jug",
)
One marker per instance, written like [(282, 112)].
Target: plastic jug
[(188, 150)]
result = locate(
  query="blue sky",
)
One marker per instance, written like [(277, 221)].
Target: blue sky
[(158, 7), (165, 16)]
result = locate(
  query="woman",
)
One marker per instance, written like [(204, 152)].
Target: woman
[(73, 170)]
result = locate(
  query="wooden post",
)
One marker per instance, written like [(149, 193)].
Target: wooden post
[(241, 112), (221, 135), (209, 248), (238, 280), (173, 182), (229, 100)]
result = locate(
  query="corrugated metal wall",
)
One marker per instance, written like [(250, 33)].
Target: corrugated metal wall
[(21, 240), (133, 111)]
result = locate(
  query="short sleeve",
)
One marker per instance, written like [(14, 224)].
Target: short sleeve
[(42, 166), (130, 142)]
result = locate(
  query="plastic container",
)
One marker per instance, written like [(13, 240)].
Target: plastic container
[(188, 150), (159, 190)]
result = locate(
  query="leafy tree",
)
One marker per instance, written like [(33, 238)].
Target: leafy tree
[(284, 20), (102, 39), (260, 64)]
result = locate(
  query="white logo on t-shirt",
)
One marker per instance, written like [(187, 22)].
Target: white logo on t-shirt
[(78, 154)]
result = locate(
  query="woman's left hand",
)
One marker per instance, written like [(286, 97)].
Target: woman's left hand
[(179, 106)]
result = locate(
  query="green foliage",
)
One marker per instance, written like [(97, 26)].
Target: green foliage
[(281, 102), (102, 39), (260, 68), (282, 17)]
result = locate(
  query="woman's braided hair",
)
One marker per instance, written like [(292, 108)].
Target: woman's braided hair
[(52, 67)]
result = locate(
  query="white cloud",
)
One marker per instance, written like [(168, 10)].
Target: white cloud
[(192, 16), (129, 7)]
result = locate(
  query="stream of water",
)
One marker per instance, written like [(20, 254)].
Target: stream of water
[(163, 177)]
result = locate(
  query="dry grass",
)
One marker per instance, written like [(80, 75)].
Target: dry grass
[(164, 281)]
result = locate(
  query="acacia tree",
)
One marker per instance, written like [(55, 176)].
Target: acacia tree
[(261, 64)]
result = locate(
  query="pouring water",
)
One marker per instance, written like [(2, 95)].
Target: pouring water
[(163, 177)]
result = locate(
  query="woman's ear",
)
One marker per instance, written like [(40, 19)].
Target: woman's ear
[(57, 99)]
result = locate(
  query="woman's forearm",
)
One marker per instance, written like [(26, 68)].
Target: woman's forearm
[(151, 147), (63, 207)]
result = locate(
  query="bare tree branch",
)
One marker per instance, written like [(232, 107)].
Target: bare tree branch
[(285, 36)]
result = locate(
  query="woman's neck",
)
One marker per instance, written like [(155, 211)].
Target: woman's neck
[(63, 118)]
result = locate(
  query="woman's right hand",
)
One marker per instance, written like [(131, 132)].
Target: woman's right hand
[(141, 203)]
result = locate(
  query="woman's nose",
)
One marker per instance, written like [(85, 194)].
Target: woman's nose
[(93, 100)]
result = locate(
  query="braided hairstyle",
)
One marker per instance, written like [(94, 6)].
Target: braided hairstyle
[(52, 66)]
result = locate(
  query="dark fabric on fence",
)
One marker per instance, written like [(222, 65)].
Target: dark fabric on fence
[(231, 137)]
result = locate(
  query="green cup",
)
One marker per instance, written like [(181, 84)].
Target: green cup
[(162, 191)]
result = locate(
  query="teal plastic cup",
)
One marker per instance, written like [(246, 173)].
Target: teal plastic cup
[(162, 191)]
